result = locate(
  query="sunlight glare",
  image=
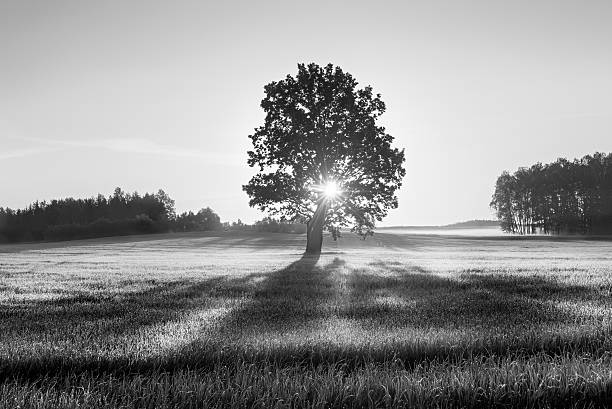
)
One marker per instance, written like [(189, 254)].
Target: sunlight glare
[(331, 190)]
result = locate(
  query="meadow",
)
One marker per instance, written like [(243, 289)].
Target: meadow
[(245, 320)]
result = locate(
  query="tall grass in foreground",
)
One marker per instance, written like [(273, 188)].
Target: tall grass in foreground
[(540, 382), (461, 323)]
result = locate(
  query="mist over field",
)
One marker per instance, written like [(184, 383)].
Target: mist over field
[(491, 231)]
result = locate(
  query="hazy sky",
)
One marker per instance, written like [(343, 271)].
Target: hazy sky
[(163, 94)]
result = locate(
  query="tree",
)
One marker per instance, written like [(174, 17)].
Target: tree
[(321, 156), (208, 219), (560, 197), (168, 203), (502, 201)]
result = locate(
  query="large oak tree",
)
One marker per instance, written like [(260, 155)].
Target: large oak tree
[(321, 156)]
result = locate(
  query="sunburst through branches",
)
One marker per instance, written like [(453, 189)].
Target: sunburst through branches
[(330, 190)]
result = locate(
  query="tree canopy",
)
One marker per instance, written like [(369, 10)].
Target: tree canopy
[(120, 214), (320, 132), (563, 196)]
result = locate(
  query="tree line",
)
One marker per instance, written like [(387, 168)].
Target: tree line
[(269, 225), (119, 214), (560, 197)]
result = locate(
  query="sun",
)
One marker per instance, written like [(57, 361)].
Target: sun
[(331, 190)]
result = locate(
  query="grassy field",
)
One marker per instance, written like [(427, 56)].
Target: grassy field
[(245, 320)]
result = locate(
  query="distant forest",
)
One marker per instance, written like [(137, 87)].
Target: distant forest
[(119, 214), (559, 197)]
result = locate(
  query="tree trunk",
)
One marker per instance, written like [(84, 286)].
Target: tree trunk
[(314, 229)]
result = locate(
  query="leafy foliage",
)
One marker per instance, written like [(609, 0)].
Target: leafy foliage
[(320, 128), (268, 224), (205, 219), (563, 196), (120, 214)]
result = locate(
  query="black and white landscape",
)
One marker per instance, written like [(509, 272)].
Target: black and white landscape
[(283, 204)]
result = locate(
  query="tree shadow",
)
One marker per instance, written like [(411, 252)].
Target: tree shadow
[(500, 302), (285, 299), (158, 303), (501, 314), (474, 314)]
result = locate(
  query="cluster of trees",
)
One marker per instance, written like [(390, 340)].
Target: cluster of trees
[(120, 214), (560, 197), (205, 219), (268, 224)]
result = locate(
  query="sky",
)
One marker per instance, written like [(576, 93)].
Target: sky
[(163, 94)]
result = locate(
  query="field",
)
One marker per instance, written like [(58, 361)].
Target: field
[(245, 320)]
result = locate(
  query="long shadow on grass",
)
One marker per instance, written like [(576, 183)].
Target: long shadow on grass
[(499, 304), (285, 298), (107, 313), (283, 303), (502, 314), (404, 313), (435, 317)]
